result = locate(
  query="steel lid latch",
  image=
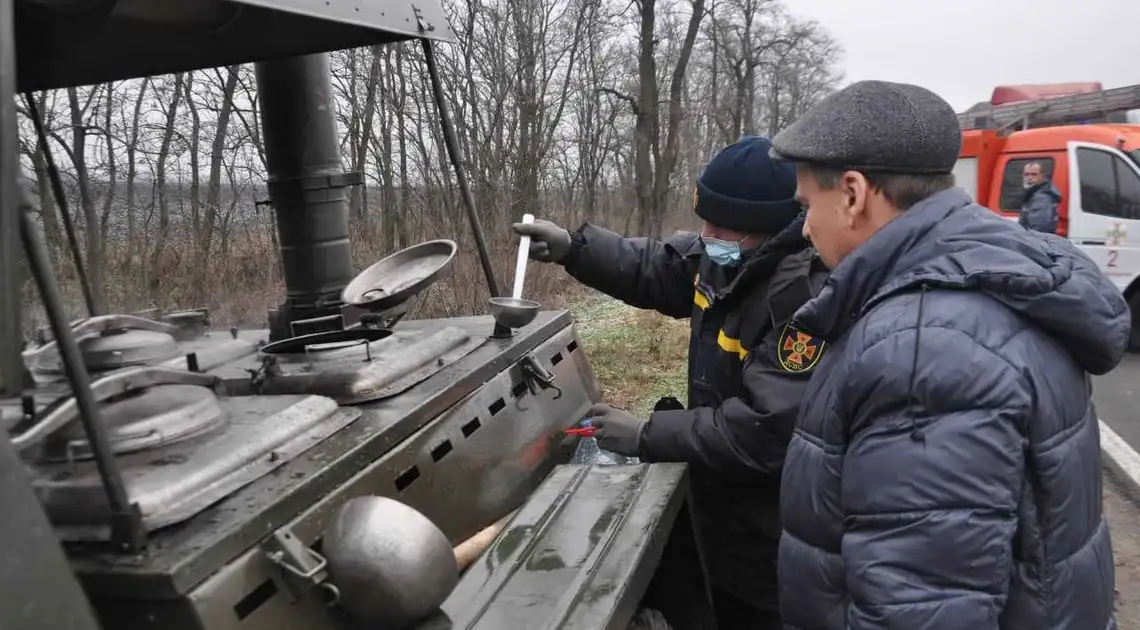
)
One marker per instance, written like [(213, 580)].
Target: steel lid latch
[(534, 372), (300, 568)]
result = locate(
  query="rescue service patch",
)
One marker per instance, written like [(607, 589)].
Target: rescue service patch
[(797, 351)]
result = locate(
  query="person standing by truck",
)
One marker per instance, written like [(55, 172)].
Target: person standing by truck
[(945, 470), (1041, 200), (739, 281)]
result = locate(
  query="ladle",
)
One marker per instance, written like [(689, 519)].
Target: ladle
[(515, 312)]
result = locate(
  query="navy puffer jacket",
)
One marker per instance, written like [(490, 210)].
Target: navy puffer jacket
[(945, 472)]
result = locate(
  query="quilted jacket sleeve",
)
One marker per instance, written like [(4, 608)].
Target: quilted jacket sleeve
[(642, 272), (931, 481)]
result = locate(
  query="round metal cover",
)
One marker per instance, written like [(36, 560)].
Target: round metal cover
[(394, 279), (128, 347), (326, 341), (157, 416)]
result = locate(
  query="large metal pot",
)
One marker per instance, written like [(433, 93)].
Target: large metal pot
[(391, 564)]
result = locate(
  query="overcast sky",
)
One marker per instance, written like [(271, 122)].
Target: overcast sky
[(962, 49)]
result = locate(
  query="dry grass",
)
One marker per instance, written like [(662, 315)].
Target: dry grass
[(240, 288), (242, 277), (638, 356)]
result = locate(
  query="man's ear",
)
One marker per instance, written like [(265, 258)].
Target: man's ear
[(856, 190)]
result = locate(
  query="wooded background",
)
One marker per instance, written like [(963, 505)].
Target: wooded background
[(572, 110)]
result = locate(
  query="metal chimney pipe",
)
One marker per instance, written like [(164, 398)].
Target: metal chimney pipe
[(308, 191)]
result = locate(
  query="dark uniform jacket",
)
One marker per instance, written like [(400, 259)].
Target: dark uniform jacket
[(747, 375), (945, 472), (1039, 209)]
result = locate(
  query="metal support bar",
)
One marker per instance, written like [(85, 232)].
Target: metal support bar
[(11, 364), (452, 143), (61, 202), (126, 523)]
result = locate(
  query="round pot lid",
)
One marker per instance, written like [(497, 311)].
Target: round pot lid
[(394, 279), (157, 416), (129, 347)]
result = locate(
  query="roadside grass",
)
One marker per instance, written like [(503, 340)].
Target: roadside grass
[(638, 356)]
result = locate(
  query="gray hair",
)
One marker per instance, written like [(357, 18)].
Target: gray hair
[(902, 190)]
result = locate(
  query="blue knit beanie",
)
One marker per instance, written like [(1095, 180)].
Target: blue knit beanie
[(744, 190)]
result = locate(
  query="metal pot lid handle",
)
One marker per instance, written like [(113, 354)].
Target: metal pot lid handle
[(64, 411)]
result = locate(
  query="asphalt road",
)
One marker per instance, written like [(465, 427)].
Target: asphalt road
[(1123, 516), (1117, 398)]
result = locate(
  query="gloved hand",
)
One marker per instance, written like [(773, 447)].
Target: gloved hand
[(548, 242), (616, 430)]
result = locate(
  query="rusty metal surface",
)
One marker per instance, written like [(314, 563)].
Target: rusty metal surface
[(578, 556), (180, 558), (113, 40)]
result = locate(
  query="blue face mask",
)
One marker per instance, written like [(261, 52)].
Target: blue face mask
[(721, 252)]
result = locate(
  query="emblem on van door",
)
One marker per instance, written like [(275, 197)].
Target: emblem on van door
[(1117, 234)]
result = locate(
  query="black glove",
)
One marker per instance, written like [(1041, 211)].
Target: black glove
[(548, 242), (617, 431)]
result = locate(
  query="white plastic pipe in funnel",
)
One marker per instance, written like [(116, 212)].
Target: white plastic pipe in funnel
[(520, 264)]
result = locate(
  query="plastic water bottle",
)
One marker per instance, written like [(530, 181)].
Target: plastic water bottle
[(589, 453)]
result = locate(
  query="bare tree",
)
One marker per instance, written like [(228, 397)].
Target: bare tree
[(572, 110)]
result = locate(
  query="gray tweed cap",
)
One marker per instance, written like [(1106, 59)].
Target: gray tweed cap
[(875, 126)]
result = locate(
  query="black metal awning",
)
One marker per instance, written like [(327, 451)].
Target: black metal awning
[(61, 43)]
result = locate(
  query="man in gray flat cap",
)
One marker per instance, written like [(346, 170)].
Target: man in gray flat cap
[(945, 470)]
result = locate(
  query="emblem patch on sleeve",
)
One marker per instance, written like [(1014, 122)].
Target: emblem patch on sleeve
[(797, 351)]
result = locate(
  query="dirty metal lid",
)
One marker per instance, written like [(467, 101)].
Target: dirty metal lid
[(398, 277), (124, 348), (158, 416), (325, 341)]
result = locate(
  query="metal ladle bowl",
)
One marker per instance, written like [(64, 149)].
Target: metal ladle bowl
[(391, 565), (513, 312)]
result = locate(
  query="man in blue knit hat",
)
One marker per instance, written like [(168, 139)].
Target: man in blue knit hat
[(739, 281)]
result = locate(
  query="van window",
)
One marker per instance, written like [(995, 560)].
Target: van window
[(1012, 192), (966, 176), (1109, 185)]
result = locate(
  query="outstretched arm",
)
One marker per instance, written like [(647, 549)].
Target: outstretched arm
[(931, 483), (641, 272)]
